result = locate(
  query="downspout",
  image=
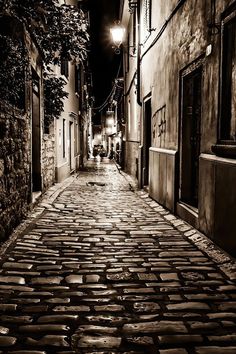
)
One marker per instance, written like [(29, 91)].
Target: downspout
[(139, 57)]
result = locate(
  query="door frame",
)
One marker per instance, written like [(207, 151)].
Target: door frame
[(198, 64), (145, 149), (36, 182)]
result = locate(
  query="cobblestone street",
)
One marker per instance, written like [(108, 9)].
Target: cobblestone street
[(98, 267)]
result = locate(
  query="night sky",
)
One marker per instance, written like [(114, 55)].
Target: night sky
[(104, 63)]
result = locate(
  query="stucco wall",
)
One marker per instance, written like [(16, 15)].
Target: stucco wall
[(131, 158)]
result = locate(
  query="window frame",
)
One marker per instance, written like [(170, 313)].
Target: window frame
[(64, 138), (65, 68), (147, 23), (225, 20)]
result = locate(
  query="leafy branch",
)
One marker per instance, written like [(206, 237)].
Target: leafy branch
[(54, 94), (61, 33)]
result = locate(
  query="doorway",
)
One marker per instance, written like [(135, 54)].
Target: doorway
[(190, 137), (147, 140), (36, 135)]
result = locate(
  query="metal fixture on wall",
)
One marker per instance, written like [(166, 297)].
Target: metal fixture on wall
[(117, 34), (214, 27), (133, 5)]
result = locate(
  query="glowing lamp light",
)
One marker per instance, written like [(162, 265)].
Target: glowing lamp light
[(117, 34)]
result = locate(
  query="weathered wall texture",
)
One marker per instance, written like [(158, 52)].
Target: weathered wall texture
[(131, 158), (14, 168), (179, 41), (48, 160)]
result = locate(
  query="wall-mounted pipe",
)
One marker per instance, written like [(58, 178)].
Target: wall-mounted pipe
[(139, 101)]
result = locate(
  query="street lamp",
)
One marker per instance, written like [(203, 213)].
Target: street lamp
[(117, 34)]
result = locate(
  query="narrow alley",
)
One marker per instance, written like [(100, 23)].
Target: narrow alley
[(99, 267)]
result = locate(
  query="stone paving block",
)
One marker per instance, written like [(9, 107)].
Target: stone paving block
[(8, 307), (92, 278), (180, 339), (26, 352), (57, 318), (14, 265), (4, 330), (73, 309), (215, 350), (74, 279), (96, 329), (7, 341), (155, 327), (173, 351), (109, 308), (225, 306), (50, 340), (99, 342), (188, 306), (222, 338), (142, 340), (46, 280), (146, 307), (43, 328), (16, 319), (12, 279)]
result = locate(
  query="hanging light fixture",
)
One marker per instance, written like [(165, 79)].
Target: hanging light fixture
[(117, 34)]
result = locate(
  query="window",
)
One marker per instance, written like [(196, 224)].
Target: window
[(134, 31), (146, 11), (77, 79), (127, 54), (228, 80), (65, 67)]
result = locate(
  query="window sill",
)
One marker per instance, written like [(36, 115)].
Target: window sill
[(224, 150)]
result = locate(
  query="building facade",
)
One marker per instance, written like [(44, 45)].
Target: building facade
[(179, 59), (34, 154), (72, 128)]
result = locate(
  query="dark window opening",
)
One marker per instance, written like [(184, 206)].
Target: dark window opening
[(64, 138), (134, 32), (65, 67), (77, 79), (190, 136)]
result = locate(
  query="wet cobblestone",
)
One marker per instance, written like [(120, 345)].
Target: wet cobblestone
[(99, 267)]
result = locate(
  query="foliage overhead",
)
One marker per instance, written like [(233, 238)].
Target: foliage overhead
[(60, 32), (54, 95), (12, 75)]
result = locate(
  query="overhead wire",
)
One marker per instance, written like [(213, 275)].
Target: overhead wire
[(104, 104)]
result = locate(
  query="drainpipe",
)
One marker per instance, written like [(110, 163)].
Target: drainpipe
[(139, 102), (139, 57)]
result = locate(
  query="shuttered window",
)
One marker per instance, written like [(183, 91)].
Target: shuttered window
[(147, 14)]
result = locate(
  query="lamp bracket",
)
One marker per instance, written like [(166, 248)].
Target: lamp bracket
[(133, 5)]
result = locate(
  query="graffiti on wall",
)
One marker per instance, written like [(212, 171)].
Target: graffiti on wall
[(159, 126)]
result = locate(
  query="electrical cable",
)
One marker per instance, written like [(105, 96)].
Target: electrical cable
[(111, 92)]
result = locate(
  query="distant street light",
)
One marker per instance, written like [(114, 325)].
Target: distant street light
[(117, 33)]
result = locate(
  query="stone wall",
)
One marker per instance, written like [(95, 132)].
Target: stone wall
[(48, 160), (15, 192)]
